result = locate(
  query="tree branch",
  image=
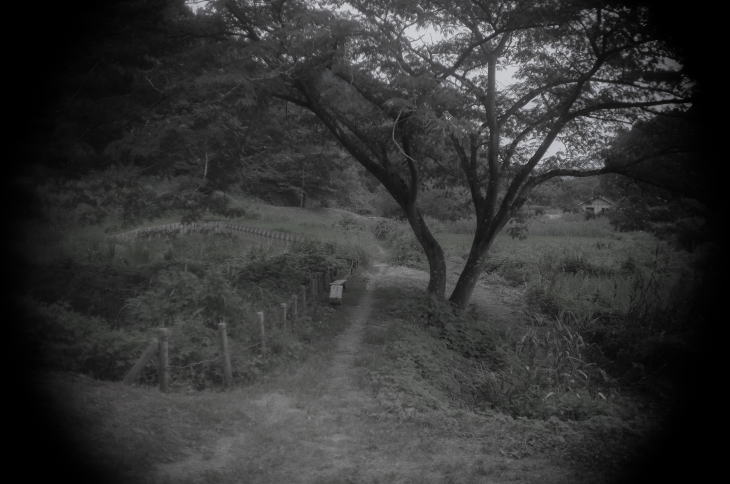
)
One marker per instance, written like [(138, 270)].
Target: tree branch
[(624, 105)]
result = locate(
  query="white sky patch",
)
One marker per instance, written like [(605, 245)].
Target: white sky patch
[(196, 5)]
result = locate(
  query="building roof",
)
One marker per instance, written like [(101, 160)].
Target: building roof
[(592, 200)]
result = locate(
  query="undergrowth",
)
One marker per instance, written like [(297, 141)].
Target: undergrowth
[(542, 376), (95, 315), (445, 358)]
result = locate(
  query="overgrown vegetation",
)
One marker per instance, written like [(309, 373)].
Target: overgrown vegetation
[(95, 301), (608, 323)]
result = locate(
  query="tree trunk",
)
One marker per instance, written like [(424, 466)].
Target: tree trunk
[(433, 250), (472, 270)]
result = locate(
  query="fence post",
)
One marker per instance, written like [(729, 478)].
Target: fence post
[(294, 307), (283, 314), (320, 284), (163, 368), (303, 298), (225, 355), (260, 314), (132, 375)]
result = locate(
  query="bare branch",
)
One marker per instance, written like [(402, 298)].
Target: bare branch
[(624, 105)]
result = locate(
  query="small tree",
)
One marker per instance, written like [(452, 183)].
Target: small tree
[(410, 89)]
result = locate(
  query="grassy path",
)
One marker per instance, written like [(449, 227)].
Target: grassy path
[(321, 421), (321, 424), (306, 428)]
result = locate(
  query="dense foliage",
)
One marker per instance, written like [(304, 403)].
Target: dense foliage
[(94, 304)]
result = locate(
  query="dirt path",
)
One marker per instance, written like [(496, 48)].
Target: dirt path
[(319, 424), (312, 434)]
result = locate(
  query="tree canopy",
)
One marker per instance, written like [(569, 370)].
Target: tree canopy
[(488, 98), (414, 90)]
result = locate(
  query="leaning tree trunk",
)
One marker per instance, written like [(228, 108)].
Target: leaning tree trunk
[(433, 250), (467, 280), (473, 268)]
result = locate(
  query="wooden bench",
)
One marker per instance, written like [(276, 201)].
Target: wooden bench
[(336, 289)]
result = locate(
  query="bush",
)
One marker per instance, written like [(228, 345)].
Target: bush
[(71, 341), (384, 228), (98, 318), (542, 300), (405, 251), (638, 313), (349, 223), (576, 264), (514, 272), (403, 247), (539, 372)]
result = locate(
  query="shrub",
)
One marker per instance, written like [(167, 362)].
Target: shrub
[(72, 341), (546, 372), (574, 264), (514, 272), (384, 228), (444, 357), (405, 251), (190, 299), (349, 223), (542, 300)]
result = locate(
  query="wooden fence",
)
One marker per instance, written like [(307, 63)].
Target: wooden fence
[(289, 312), (216, 227)]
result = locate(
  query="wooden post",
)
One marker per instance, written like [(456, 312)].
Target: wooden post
[(283, 314), (147, 355), (313, 286), (163, 368), (303, 297), (320, 284), (225, 356), (294, 307), (260, 314)]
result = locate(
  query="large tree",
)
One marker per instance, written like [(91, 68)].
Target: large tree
[(413, 91)]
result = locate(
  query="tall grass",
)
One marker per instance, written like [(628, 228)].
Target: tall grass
[(570, 225)]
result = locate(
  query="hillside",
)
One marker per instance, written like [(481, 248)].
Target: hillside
[(526, 386), (352, 411)]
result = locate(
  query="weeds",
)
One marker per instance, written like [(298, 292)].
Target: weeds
[(548, 373), (95, 317)]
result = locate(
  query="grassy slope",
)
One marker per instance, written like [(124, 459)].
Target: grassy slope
[(322, 421), (133, 429)]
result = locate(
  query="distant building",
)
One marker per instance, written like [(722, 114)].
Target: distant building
[(596, 205)]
